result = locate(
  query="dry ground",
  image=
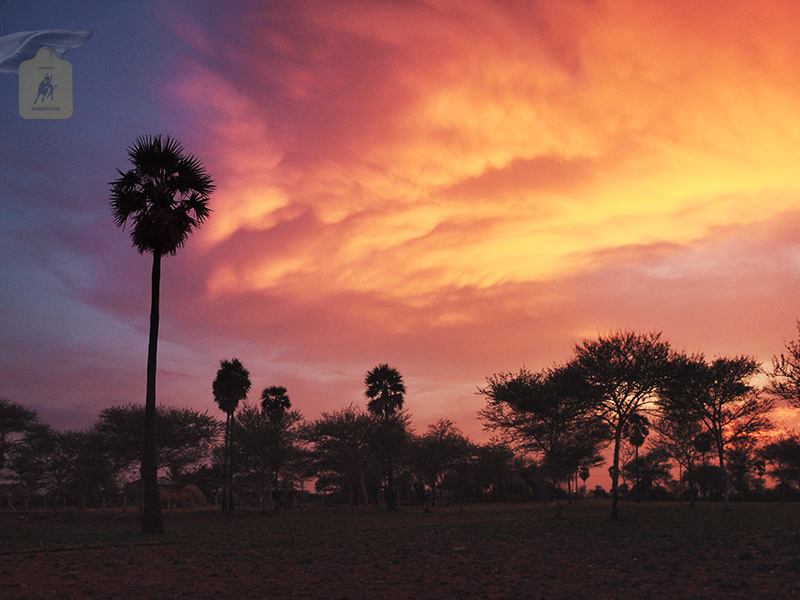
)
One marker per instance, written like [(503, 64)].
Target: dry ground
[(491, 551)]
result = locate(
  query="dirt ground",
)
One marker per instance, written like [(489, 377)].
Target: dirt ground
[(493, 552)]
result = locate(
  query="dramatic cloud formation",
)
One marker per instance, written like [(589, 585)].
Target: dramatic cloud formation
[(453, 187)]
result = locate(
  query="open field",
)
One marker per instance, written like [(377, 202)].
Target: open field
[(489, 551)]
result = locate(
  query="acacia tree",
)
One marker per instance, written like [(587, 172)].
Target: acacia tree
[(682, 437), (783, 456), (624, 371), (186, 438), (343, 445), (649, 468), (165, 197), (721, 396), (386, 391), (266, 442), (784, 380), (230, 387), (49, 458), (743, 464), (552, 414), (494, 470), (442, 448), (15, 421), (26, 463)]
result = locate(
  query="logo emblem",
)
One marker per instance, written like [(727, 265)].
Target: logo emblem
[(45, 87)]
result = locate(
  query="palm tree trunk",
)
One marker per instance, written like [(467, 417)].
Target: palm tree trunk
[(151, 504), (225, 466), (230, 463)]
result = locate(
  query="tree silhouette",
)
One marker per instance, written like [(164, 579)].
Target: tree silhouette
[(230, 387), (495, 470), (275, 402), (15, 420), (583, 473), (552, 414), (266, 443), (185, 440), (637, 430), (343, 443), (783, 456), (624, 370), (439, 450), (648, 469), (784, 380), (49, 459), (267, 449), (165, 197), (720, 395), (386, 391), (742, 463), (682, 438), (26, 463)]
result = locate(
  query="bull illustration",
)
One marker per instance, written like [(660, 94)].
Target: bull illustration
[(46, 88)]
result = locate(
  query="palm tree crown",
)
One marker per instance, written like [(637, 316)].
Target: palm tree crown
[(385, 390), (165, 195), (231, 385), (275, 402)]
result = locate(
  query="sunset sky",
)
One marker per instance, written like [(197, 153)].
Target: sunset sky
[(452, 187)]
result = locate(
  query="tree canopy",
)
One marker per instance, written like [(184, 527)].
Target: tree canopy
[(15, 420), (230, 386), (164, 196), (385, 390), (551, 413), (625, 371), (784, 379), (720, 394)]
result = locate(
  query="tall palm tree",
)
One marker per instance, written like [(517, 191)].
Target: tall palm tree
[(385, 390), (230, 386), (165, 197)]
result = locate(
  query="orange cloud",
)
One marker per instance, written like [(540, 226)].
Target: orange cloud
[(452, 173), (508, 155)]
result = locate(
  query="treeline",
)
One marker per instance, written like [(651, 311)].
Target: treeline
[(659, 411), (274, 454), (619, 389)]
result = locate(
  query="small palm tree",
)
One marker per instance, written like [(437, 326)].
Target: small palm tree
[(385, 390), (274, 405), (275, 402), (230, 387), (164, 197)]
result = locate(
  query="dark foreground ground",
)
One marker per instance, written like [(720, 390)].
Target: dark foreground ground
[(516, 551)]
